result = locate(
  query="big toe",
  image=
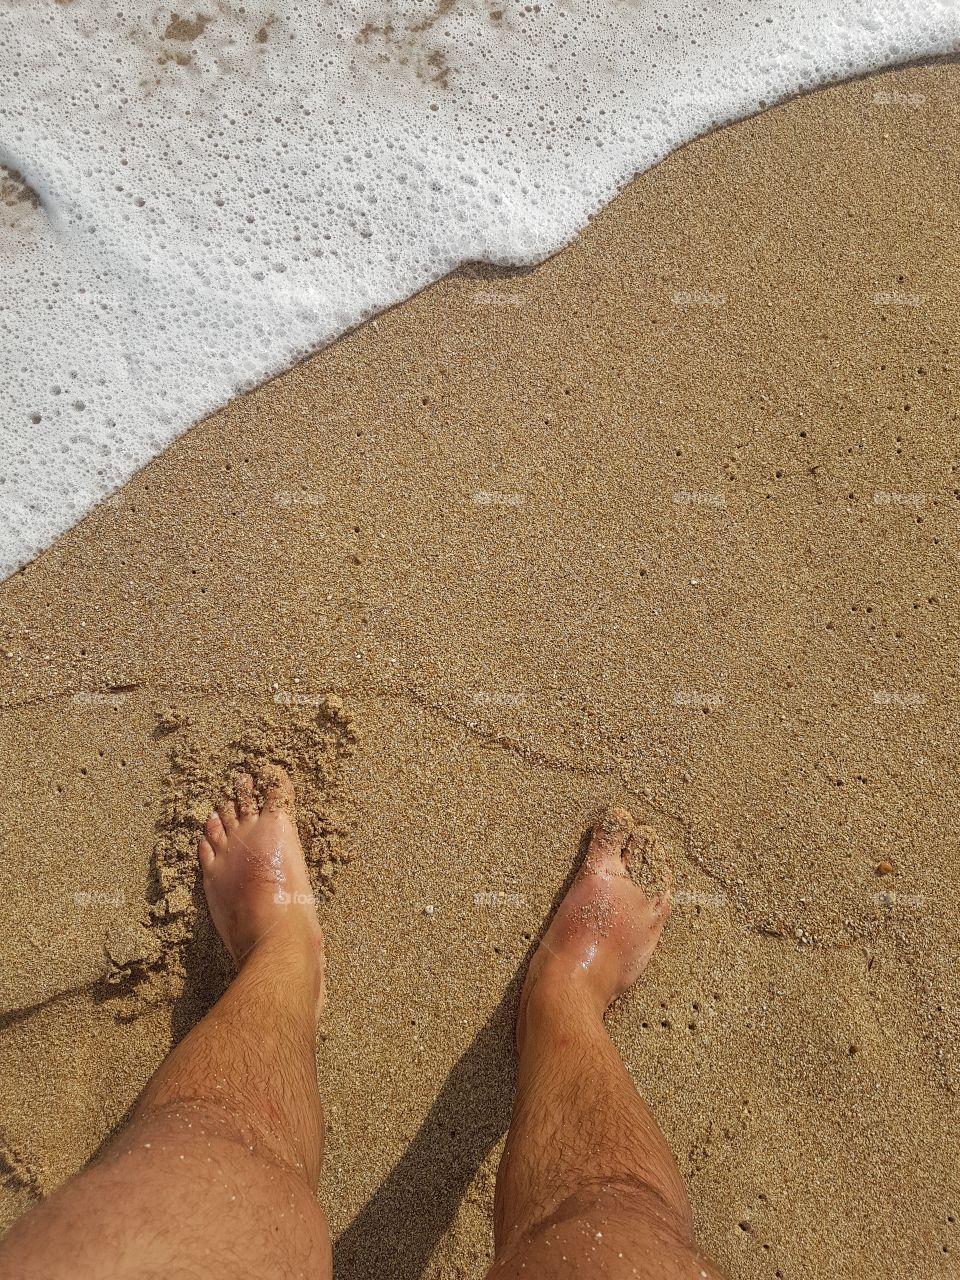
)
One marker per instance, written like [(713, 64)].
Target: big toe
[(278, 794), (610, 841), (206, 854)]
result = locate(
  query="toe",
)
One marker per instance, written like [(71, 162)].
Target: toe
[(227, 813), (206, 854), (244, 795), (642, 841), (663, 902), (215, 833), (609, 839), (278, 789)]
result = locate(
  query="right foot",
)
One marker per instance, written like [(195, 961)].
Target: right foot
[(254, 874), (604, 932)]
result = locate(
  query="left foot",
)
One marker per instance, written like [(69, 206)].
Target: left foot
[(605, 929), (254, 874)]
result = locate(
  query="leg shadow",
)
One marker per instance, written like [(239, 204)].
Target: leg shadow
[(395, 1234), (207, 967), (208, 972)]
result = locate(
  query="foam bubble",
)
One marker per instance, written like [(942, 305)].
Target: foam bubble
[(189, 203)]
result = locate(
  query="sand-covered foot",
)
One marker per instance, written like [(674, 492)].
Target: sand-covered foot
[(605, 929), (254, 874)]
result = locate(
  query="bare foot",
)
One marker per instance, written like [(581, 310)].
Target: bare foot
[(605, 929), (254, 873)]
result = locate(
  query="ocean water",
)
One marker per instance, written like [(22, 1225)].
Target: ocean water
[(191, 202)]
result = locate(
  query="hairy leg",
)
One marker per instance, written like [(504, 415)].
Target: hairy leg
[(215, 1173), (587, 1184)]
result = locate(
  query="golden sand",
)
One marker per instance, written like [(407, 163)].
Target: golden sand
[(669, 522)]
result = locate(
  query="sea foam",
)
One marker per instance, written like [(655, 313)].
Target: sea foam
[(191, 202)]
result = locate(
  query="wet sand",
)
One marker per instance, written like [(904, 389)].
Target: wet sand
[(669, 521)]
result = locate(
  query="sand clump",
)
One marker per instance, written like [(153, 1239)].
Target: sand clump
[(146, 960)]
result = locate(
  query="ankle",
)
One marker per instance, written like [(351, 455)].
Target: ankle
[(294, 950), (558, 997)]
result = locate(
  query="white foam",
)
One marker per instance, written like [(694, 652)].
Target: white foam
[(221, 197)]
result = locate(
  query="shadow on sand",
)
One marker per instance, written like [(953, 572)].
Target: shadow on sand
[(395, 1234)]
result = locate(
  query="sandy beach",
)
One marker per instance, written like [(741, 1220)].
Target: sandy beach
[(669, 521)]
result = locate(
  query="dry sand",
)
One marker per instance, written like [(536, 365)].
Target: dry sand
[(670, 521)]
